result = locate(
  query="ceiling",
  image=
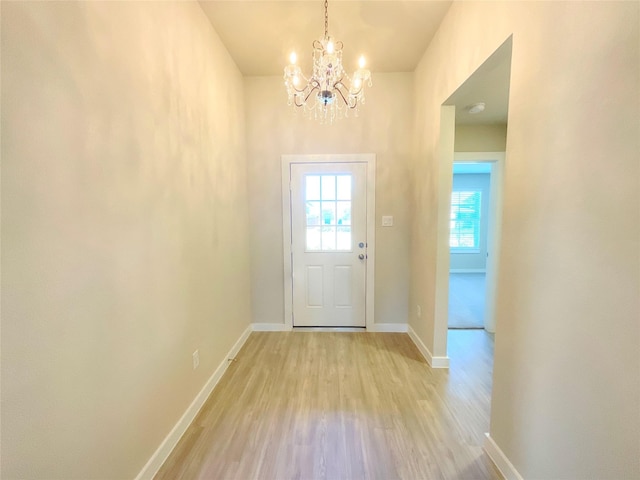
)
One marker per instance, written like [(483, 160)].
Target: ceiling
[(392, 35), (489, 84), (260, 34)]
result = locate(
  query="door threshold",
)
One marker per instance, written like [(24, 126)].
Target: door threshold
[(329, 329)]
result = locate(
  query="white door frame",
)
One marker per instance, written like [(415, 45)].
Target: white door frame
[(494, 228), (287, 160)]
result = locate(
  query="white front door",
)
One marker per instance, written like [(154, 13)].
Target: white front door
[(329, 244)]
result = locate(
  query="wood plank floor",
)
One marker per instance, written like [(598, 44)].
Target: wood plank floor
[(338, 405)]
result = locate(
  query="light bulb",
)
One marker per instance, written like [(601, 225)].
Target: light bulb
[(330, 47), (296, 80), (362, 62), (356, 83), (293, 58)]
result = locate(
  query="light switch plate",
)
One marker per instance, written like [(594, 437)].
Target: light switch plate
[(387, 221)]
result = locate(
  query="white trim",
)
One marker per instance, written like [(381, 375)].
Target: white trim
[(434, 362), (443, 254), (270, 327), (370, 160), (330, 329), (389, 327), (500, 460), (171, 440)]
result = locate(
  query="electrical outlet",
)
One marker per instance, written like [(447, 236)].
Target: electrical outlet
[(419, 310), (196, 359)]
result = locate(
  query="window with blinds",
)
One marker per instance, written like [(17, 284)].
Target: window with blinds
[(465, 221)]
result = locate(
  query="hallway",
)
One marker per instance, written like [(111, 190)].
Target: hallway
[(343, 405)]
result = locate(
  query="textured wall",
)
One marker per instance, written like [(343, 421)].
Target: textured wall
[(566, 390), (384, 128), (481, 138), (124, 229)]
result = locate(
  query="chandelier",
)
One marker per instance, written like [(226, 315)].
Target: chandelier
[(329, 93)]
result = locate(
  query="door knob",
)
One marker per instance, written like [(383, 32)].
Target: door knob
[(361, 256)]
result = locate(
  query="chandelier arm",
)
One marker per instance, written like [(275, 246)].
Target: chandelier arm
[(348, 104), (359, 90), (354, 94), (339, 84), (315, 87), (301, 90), (306, 85)]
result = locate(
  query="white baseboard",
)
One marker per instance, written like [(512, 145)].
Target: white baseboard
[(377, 327), (501, 461), (269, 327), (389, 327), (434, 362), (171, 440)]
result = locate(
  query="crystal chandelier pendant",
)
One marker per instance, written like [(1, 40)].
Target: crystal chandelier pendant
[(329, 93)]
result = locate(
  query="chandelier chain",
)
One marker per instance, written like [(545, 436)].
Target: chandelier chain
[(326, 18)]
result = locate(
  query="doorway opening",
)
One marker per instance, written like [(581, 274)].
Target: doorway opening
[(474, 238), (467, 133)]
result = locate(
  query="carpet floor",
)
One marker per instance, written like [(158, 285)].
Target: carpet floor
[(466, 300)]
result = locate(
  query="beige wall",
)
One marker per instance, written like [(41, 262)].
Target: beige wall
[(124, 229), (384, 127), (566, 379), (481, 138)]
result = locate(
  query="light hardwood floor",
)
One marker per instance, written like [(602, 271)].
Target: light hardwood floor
[(337, 405)]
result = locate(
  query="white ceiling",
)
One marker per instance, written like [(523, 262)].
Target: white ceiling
[(260, 34), (392, 35)]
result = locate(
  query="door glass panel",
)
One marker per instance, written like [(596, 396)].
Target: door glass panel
[(328, 212), (344, 213), (328, 187), (328, 238), (313, 213), (344, 187), (312, 190), (344, 238), (314, 242)]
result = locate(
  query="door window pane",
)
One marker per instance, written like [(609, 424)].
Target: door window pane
[(344, 238), (344, 213), (344, 187), (313, 213), (328, 212), (314, 242), (328, 187), (312, 190), (328, 238)]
